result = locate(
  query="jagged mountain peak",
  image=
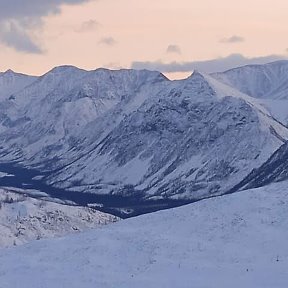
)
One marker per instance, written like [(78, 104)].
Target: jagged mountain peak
[(143, 75), (9, 71), (12, 82), (197, 73), (134, 131), (12, 73)]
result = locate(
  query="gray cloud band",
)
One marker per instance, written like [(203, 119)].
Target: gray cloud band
[(209, 66), (18, 18), (232, 39)]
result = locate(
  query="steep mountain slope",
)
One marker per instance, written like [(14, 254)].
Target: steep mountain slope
[(23, 219), (177, 144), (234, 241), (259, 81), (59, 105), (268, 83), (275, 169), (136, 135)]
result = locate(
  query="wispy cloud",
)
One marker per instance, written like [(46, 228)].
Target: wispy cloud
[(173, 49), (88, 26), (232, 39), (209, 66), (18, 18), (109, 41)]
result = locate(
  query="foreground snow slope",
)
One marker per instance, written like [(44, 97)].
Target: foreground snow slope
[(23, 219), (237, 241)]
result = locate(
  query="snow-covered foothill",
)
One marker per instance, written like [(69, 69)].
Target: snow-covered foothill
[(237, 240), (23, 219)]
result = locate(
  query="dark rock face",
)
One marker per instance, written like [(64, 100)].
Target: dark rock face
[(274, 170)]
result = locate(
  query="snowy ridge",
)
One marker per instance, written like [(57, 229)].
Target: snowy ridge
[(235, 241), (264, 112), (24, 219), (11, 82), (268, 83), (259, 81)]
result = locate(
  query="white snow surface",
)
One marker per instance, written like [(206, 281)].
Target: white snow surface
[(277, 108), (11, 82), (268, 83), (237, 240), (23, 219)]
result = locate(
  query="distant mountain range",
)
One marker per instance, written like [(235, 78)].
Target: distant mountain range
[(134, 141)]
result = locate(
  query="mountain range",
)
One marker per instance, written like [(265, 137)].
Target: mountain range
[(134, 141), (76, 143)]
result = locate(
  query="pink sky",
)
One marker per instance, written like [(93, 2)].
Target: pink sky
[(115, 33)]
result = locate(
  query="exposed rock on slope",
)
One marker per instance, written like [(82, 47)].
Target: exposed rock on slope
[(268, 83), (23, 219), (237, 241)]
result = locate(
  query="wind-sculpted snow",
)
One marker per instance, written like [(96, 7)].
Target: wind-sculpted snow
[(137, 134), (237, 241)]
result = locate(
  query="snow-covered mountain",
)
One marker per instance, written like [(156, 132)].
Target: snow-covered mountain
[(259, 81), (275, 169), (23, 219), (132, 142), (237, 241), (268, 83), (11, 82), (190, 141), (135, 135)]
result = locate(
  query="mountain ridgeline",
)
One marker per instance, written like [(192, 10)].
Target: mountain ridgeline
[(133, 141)]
